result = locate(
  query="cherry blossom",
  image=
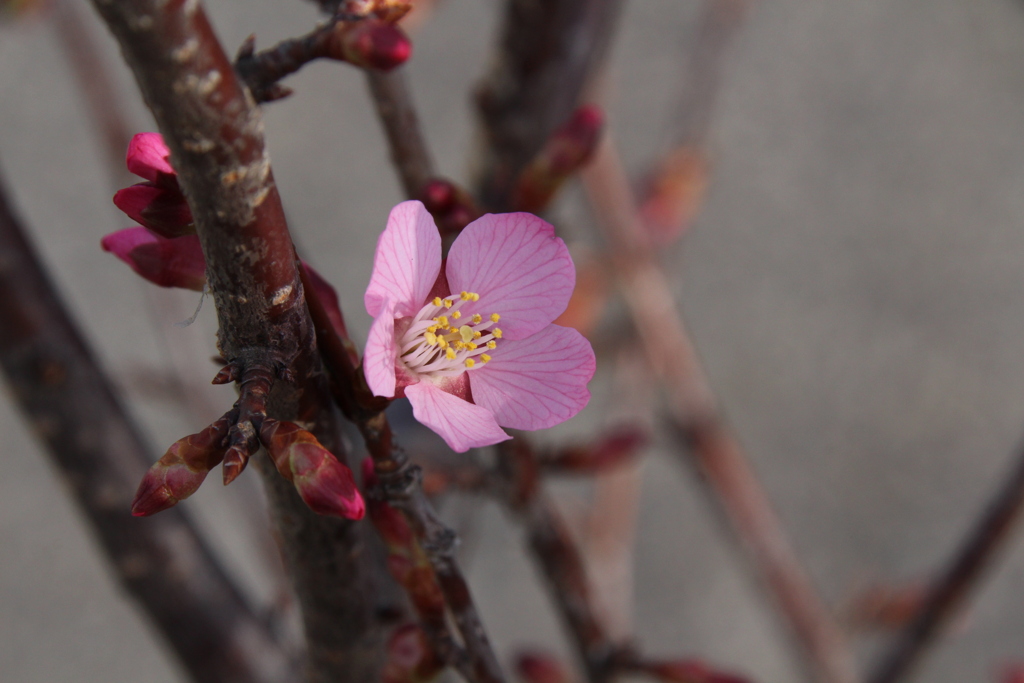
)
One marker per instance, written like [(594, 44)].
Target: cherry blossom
[(472, 344)]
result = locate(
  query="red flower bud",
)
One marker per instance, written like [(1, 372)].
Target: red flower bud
[(177, 475), (438, 195), (410, 658), (540, 667), (566, 151), (324, 484), (163, 211), (148, 157), (370, 45), (177, 262), (614, 449), (688, 671)]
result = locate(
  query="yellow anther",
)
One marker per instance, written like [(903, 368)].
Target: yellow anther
[(492, 344), (453, 329), (476, 297), (484, 357), (448, 303), (495, 317), (450, 353), (442, 342), (459, 346), (496, 332), (471, 346), (432, 329), (431, 338), (442, 320), (466, 333), (470, 362), (477, 318), (456, 315), (477, 335), (437, 301)]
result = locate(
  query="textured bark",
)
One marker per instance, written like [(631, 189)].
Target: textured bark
[(161, 561), (215, 134)]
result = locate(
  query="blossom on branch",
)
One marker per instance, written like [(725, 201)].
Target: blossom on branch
[(472, 344)]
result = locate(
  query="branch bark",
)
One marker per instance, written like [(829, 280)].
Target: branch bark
[(694, 412), (547, 54), (409, 152), (989, 536), (162, 561), (215, 134)]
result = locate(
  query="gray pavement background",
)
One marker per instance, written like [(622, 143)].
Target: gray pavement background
[(854, 286)]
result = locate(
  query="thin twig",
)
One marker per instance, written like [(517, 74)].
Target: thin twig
[(215, 136), (980, 548), (546, 55), (409, 152), (162, 561), (694, 412), (558, 557)]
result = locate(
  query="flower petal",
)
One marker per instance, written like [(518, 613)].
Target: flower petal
[(149, 158), (381, 353), (177, 262), (163, 211), (407, 261), (517, 266), (538, 382), (461, 424)]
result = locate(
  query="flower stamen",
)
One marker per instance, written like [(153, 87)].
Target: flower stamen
[(433, 345)]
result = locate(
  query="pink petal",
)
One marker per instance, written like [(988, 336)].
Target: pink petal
[(164, 211), (461, 424), (537, 382), (381, 353), (517, 266), (407, 261), (149, 158), (166, 262)]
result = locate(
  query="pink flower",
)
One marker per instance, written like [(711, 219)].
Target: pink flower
[(472, 346), (157, 203)]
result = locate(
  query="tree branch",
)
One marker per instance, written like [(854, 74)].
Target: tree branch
[(409, 152), (547, 54), (989, 536), (695, 414), (162, 562), (215, 134)]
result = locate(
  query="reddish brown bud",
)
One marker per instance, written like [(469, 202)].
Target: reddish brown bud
[(324, 484), (540, 667), (410, 658), (675, 192), (370, 45), (226, 375), (177, 475), (438, 195), (688, 671), (566, 151), (614, 449)]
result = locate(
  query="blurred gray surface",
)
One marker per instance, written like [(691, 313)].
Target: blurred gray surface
[(854, 286)]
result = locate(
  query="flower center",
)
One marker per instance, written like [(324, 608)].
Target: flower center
[(443, 342)]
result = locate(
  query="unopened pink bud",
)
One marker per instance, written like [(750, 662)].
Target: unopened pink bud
[(148, 157), (540, 667), (180, 471), (163, 211), (438, 195), (689, 671), (325, 485), (566, 151), (176, 262), (371, 45)]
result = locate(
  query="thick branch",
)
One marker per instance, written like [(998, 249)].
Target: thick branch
[(547, 54), (979, 550), (161, 561), (215, 134), (694, 411)]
